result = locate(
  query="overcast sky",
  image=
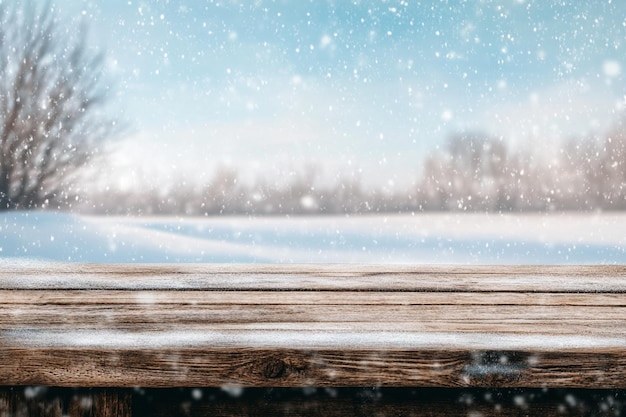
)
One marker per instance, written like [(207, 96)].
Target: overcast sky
[(362, 88)]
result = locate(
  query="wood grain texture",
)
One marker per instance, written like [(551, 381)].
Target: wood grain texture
[(322, 325), (14, 404), (112, 403), (346, 298), (567, 279), (295, 368), (39, 401)]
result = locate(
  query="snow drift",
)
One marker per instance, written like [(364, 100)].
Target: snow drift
[(580, 238)]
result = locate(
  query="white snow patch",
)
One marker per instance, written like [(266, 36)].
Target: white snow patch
[(574, 238), (307, 340)]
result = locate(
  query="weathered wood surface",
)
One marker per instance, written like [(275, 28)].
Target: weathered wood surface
[(38, 402), (208, 325), (566, 279)]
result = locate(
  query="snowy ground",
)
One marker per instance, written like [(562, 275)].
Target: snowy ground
[(423, 238)]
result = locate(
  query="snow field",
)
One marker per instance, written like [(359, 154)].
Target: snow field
[(576, 238)]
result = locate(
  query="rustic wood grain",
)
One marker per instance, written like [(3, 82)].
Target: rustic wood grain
[(201, 367), (567, 279), (112, 403), (14, 402), (287, 313), (302, 325), (239, 297)]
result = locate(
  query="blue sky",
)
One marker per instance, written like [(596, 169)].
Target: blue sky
[(360, 88)]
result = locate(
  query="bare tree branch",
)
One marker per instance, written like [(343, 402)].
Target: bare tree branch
[(52, 100)]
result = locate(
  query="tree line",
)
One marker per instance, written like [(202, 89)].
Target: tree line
[(481, 173), (472, 172)]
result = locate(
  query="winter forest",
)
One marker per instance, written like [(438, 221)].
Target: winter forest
[(474, 172)]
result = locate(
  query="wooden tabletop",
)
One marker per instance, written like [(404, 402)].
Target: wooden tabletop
[(322, 325)]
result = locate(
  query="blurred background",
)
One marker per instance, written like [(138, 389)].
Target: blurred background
[(282, 108)]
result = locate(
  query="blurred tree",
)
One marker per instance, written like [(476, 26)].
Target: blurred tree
[(476, 173), (52, 100), (614, 173)]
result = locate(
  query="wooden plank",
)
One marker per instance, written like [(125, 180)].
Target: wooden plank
[(543, 333), (201, 298), (571, 279), (112, 403), (142, 314), (39, 402), (13, 404), (195, 325), (243, 366)]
